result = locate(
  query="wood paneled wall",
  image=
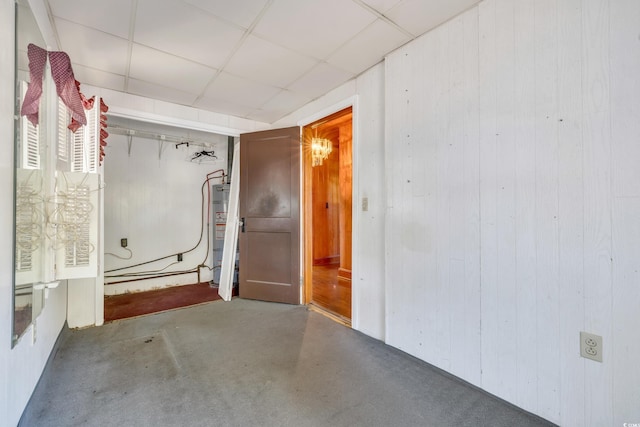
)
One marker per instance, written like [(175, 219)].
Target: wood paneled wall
[(326, 208), (513, 194), (346, 182)]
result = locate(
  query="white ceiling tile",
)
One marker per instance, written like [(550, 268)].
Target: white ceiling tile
[(183, 30), (98, 78), (316, 28), (420, 16), (168, 70), (319, 81), (230, 88), (240, 12), (231, 108), (93, 48), (286, 100), (153, 91), (279, 106), (359, 53), (381, 6), (266, 116), (111, 16), (263, 61)]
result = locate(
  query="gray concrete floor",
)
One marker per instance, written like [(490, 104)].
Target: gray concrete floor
[(249, 363)]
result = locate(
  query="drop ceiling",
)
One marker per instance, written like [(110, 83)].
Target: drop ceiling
[(256, 59)]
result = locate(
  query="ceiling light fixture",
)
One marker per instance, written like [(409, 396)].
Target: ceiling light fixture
[(320, 149)]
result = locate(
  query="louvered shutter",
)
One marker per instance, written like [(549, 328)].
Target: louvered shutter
[(29, 139), (76, 222), (85, 143), (29, 226), (62, 149)]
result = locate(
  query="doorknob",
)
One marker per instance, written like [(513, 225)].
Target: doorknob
[(242, 224)]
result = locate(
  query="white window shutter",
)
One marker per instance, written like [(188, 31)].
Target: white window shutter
[(76, 223), (92, 137), (29, 139), (64, 137), (77, 150), (85, 143), (29, 226)]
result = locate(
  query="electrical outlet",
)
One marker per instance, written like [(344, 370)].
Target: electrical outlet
[(179, 257), (123, 243), (591, 346), (365, 204)]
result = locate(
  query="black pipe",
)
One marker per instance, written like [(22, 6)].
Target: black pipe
[(229, 157)]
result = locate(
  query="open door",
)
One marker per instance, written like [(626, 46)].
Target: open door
[(270, 215)]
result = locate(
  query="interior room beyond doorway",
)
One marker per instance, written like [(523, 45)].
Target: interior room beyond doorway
[(328, 201)]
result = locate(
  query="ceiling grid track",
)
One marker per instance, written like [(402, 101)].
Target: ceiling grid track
[(132, 27)]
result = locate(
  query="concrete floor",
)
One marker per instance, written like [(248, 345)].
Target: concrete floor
[(249, 363)]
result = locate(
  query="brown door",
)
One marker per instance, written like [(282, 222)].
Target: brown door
[(270, 214)]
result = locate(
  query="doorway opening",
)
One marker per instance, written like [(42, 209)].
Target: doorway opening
[(327, 195)]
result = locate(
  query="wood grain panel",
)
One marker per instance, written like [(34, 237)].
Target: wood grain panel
[(488, 199), (505, 191), (625, 133), (625, 298), (398, 264), (554, 112), (455, 178), (471, 219), (345, 185), (596, 133), (369, 182), (326, 208), (524, 140), (570, 209), (546, 177)]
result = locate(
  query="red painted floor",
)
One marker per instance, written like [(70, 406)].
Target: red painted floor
[(140, 303)]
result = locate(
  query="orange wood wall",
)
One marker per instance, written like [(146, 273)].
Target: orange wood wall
[(326, 201), (345, 179)]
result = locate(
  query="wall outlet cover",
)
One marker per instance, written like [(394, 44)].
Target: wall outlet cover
[(591, 346)]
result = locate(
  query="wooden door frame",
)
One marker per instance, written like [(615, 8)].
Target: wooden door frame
[(306, 224)]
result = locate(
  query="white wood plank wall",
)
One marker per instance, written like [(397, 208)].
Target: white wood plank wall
[(513, 203), (368, 247), (433, 210)]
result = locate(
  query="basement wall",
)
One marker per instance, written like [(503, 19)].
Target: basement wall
[(512, 217)]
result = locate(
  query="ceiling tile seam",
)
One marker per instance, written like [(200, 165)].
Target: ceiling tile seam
[(385, 18), (235, 49), (217, 17), (323, 62), (87, 27), (175, 56), (97, 69), (132, 27), (326, 60), (303, 54), (259, 108), (163, 87)]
